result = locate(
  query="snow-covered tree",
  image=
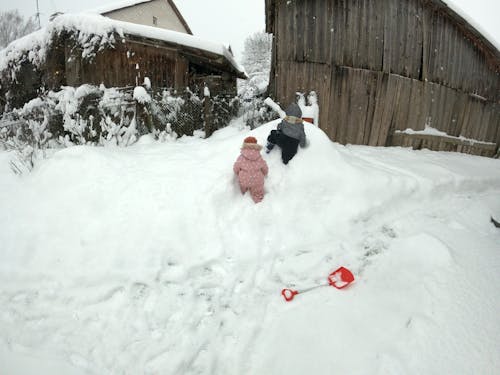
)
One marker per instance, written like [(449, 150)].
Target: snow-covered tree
[(257, 63), (13, 26)]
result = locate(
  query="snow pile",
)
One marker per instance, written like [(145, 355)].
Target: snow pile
[(141, 95), (310, 111), (148, 260)]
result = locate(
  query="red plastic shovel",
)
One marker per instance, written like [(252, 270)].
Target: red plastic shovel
[(339, 279)]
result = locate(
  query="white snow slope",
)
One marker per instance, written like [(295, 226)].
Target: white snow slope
[(148, 260)]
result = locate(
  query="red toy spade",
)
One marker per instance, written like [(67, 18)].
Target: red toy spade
[(339, 279)]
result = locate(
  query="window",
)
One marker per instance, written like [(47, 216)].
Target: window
[(155, 21)]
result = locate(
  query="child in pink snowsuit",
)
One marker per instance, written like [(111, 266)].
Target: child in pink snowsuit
[(251, 169)]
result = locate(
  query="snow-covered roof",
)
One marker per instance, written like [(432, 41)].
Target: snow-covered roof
[(96, 29), (460, 12), (117, 5)]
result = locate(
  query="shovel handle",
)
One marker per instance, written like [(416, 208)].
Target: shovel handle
[(288, 294)]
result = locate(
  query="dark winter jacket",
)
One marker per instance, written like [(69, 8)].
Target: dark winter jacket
[(292, 124)]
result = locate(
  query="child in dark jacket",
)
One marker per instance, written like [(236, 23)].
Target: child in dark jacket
[(251, 169), (289, 134)]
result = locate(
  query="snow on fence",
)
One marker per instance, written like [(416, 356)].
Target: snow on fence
[(422, 140)]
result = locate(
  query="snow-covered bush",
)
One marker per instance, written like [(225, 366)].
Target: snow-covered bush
[(255, 112), (27, 134), (99, 116), (166, 108), (71, 116), (177, 114)]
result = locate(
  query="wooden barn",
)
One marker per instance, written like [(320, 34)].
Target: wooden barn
[(90, 49), (389, 73), (169, 59)]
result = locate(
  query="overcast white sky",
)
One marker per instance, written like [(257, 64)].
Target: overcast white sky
[(231, 21)]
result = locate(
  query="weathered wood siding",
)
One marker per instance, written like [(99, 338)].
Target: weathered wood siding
[(130, 61), (127, 65), (383, 66)]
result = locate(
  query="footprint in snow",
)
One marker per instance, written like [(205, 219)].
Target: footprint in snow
[(139, 291)]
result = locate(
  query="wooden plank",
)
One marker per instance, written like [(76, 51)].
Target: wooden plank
[(426, 25), (342, 75), (379, 106), (496, 121), (404, 39), (459, 113), (437, 107), (352, 120), (362, 47), (433, 41), (448, 102), (411, 47), (388, 110), (389, 31), (350, 29), (333, 106), (329, 32), (484, 124), (454, 59), (371, 105), (388, 119), (402, 104), (370, 35), (493, 124), (341, 30), (322, 33), (299, 31), (323, 95), (466, 117), (309, 22), (376, 33), (357, 107), (289, 21), (415, 104)]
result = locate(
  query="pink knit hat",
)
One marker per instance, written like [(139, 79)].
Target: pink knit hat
[(251, 142)]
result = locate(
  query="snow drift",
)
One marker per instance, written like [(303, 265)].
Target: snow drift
[(148, 260)]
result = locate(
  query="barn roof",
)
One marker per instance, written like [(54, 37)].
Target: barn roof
[(478, 37), (94, 28), (130, 3)]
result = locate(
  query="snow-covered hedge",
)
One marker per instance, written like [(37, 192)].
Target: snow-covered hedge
[(99, 116)]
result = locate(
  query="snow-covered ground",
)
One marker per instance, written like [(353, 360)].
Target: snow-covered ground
[(147, 260)]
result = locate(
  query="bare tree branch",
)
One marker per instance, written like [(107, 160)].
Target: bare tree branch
[(14, 26)]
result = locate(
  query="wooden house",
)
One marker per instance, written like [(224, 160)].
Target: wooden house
[(393, 72), (158, 13)]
